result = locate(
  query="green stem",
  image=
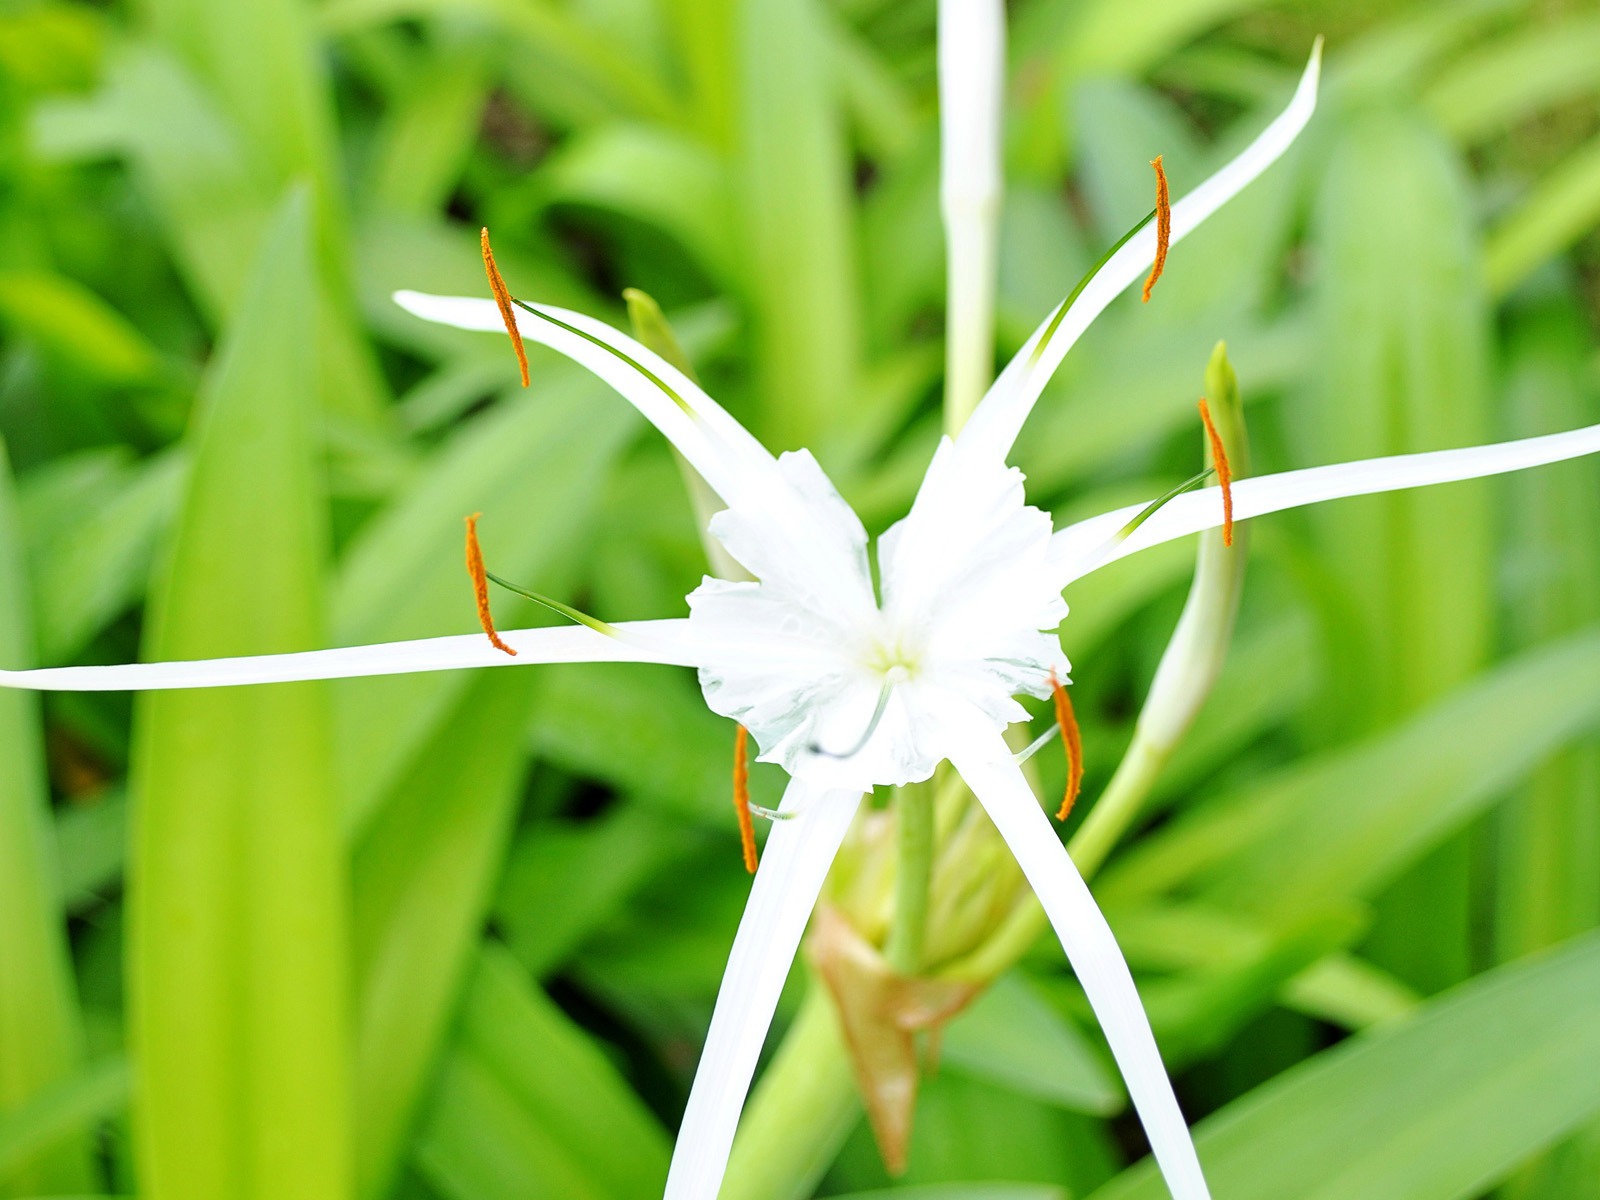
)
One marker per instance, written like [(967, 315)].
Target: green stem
[(1117, 807), (914, 810), (801, 1113)]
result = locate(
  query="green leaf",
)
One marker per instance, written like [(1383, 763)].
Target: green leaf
[(1345, 824), (237, 955), (91, 841), (1013, 1038), (1404, 328), (41, 1040), (534, 467), (793, 194), (92, 540), (569, 1125), (71, 321), (1558, 210), (1514, 75), (657, 177), (62, 1114), (569, 69), (423, 874), (1439, 1108)]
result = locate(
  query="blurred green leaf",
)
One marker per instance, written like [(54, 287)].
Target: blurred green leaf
[(423, 873), (1559, 209), (237, 958), (1403, 366), (73, 322), (92, 538), (1013, 1038), (534, 468), (792, 194), (1343, 825), (574, 69), (528, 1107), (41, 1040), (1512, 76), (59, 1114), (1438, 1108)]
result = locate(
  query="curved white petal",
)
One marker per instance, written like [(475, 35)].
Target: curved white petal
[(793, 866), (638, 641), (984, 761), (994, 427), (1090, 544), (717, 446)]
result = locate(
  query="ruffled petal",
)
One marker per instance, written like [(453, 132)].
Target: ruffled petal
[(638, 641), (793, 867), (984, 761), (1000, 417), (726, 455), (1090, 544)]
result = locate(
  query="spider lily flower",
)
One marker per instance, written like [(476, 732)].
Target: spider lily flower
[(848, 690)]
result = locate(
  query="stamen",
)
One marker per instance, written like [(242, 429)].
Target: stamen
[(480, 585), (502, 297), (1219, 456), (1163, 226), (741, 796), (866, 736), (1072, 741)]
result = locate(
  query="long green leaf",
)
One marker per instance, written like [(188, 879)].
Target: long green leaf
[(423, 874), (1438, 1108), (521, 1068), (792, 188), (41, 1040), (237, 953), (1404, 330)]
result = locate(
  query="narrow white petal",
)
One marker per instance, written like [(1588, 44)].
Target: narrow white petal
[(639, 641), (793, 866), (1081, 548), (718, 447), (986, 764), (994, 427), (972, 36)]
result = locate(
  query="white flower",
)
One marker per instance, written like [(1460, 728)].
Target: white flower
[(847, 691)]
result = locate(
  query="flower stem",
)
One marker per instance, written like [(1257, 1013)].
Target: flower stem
[(801, 1113), (914, 811)]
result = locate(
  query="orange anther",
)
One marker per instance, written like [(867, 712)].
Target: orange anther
[(741, 796), (1163, 226), (1073, 743), (502, 297), (1219, 459), (480, 585)]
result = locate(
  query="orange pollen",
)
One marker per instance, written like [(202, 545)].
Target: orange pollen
[(1219, 456), (480, 585), (1163, 226), (502, 297), (741, 796), (1073, 743)]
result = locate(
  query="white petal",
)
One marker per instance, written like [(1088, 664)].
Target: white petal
[(1088, 545), (994, 427), (795, 862), (985, 763), (639, 641), (971, 85), (718, 447)]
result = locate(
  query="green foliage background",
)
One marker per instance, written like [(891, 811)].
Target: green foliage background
[(456, 937)]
